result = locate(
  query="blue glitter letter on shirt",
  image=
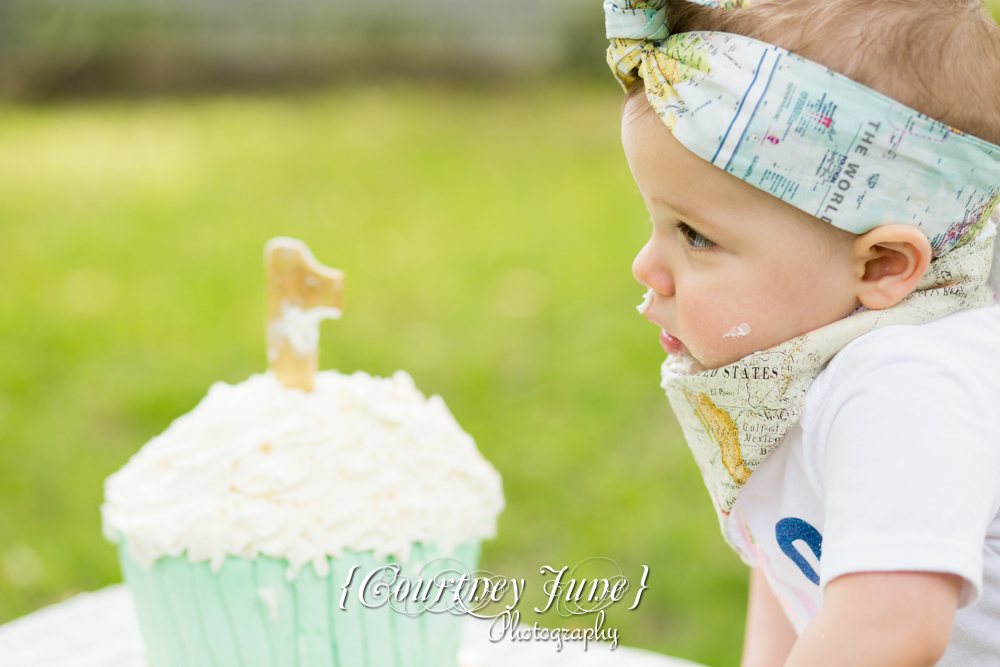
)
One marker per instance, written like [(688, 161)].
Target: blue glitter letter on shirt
[(787, 531)]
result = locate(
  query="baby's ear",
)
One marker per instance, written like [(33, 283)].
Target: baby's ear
[(890, 261)]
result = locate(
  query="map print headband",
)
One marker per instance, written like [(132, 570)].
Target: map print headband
[(811, 137)]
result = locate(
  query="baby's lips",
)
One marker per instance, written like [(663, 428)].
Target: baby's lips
[(671, 345)]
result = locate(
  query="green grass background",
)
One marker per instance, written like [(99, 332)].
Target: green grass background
[(487, 236)]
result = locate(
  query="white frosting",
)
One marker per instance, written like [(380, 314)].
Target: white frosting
[(677, 364), (299, 327), (269, 596), (647, 299), (738, 332), (360, 463)]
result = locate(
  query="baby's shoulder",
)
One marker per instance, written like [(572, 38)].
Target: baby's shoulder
[(949, 358), (967, 338)]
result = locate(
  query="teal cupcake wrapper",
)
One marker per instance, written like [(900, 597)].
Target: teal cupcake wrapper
[(250, 615)]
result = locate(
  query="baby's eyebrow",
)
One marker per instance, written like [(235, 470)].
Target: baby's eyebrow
[(700, 211), (702, 223), (696, 216)]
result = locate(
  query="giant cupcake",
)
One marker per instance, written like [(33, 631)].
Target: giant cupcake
[(239, 525)]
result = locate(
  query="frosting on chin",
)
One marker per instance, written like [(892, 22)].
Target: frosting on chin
[(361, 463), (676, 365)]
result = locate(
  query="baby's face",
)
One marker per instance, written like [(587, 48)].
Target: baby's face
[(733, 269)]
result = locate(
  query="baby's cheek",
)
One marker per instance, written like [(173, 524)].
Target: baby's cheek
[(720, 328)]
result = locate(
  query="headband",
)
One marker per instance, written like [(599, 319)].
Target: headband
[(811, 137)]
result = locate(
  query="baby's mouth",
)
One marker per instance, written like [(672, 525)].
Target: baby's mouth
[(679, 361), (672, 345)]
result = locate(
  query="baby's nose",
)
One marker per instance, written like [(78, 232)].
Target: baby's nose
[(650, 271)]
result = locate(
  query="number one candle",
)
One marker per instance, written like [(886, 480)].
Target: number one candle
[(301, 293)]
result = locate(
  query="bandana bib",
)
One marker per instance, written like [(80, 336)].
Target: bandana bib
[(734, 416)]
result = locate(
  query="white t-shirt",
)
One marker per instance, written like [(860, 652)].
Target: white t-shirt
[(893, 465)]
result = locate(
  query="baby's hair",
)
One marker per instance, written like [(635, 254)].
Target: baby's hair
[(940, 57)]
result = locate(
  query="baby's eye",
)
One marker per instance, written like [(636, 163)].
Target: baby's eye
[(694, 239)]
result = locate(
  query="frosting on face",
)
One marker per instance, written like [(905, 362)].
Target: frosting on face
[(647, 299), (360, 463), (738, 332)]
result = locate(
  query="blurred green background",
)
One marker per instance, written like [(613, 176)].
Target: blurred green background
[(487, 235), (487, 228)]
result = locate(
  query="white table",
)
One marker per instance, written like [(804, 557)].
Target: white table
[(100, 630)]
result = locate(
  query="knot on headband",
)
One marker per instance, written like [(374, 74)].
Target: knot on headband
[(629, 24), (636, 20), (810, 136)]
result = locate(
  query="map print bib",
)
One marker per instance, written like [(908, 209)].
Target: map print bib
[(734, 416)]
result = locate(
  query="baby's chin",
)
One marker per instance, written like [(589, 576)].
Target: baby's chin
[(699, 362), (679, 365), (680, 360), (737, 344)]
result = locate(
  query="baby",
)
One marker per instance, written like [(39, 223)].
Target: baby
[(819, 267)]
